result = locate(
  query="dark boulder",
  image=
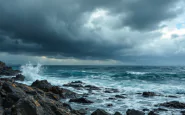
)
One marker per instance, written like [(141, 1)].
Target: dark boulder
[(111, 90), (152, 113), (117, 113), (19, 77), (109, 105), (173, 104), (80, 100), (43, 84), (134, 112), (8, 71), (100, 112), (92, 87), (79, 112), (148, 94), (183, 112), (120, 96)]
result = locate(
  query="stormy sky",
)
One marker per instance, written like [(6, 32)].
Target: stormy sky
[(93, 32)]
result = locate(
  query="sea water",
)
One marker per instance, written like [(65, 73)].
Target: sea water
[(129, 80)]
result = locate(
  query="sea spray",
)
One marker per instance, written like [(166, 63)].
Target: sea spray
[(32, 72)]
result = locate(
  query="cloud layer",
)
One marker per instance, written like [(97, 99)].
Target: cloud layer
[(92, 30)]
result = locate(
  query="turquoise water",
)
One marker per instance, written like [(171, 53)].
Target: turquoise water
[(129, 80)]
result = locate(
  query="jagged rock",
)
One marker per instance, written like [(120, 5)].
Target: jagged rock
[(183, 112), (8, 71), (100, 112), (160, 109), (120, 96), (19, 77), (152, 113), (80, 100), (117, 113), (52, 96), (173, 104), (47, 87), (92, 87), (43, 84), (134, 112), (79, 112), (148, 94), (110, 105), (111, 90)]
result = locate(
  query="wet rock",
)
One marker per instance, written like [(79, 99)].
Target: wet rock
[(92, 87), (111, 98), (8, 71), (74, 85), (67, 106), (100, 112), (160, 109), (52, 96), (183, 112), (117, 113), (80, 100), (64, 93), (43, 84), (120, 96), (109, 105), (134, 112), (172, 96), (173, 104), (152, 113), (79, 112), (19, 77), (148, 94), (111, 90), (145, 109)]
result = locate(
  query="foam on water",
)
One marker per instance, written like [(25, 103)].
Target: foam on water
[(31, 72)]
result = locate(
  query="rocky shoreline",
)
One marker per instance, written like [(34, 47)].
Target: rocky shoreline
[(42, 98)]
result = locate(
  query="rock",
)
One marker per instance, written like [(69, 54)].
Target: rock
[(92, 87), (172, 96), (160, 109), (148, 94), (111, 98), (120, 96), (43, 84), (79, 112), (74, 84), (64, 93), (100, 112), (183, 112), (19, 77), (111, 90), (152, 113), (117, 113), (173, 104), (8, 71), (145, 109), (134, 112), (80, 100), (67, 106), (109, 105), (52, 96)]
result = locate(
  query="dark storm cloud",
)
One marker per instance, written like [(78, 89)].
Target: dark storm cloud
[(44, 27)]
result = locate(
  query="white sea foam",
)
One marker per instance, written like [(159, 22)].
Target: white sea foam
[(31, 72), (136, 73)]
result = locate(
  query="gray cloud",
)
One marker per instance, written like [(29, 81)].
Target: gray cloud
[(56, 28)]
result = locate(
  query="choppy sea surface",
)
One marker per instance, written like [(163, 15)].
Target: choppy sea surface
[(129, 80)]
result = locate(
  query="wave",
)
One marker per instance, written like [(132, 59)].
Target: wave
[(32, 72), (136, 73)]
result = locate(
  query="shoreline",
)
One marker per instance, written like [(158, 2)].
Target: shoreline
[(44, 98)]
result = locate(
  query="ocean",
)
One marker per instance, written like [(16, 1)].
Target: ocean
[(131, 81)]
